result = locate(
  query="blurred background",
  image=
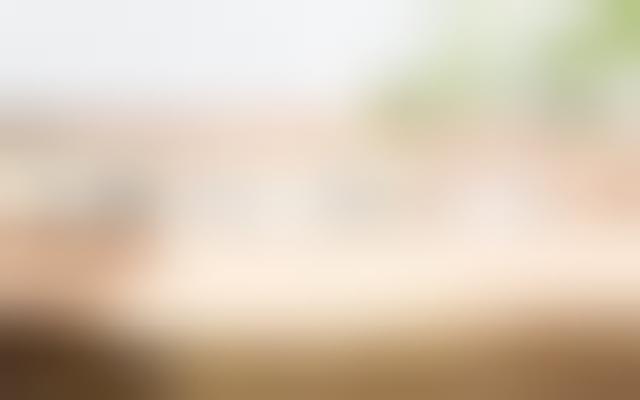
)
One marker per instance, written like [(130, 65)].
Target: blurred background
[(320, 199)]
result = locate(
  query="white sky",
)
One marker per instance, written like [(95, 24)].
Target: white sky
[(221, 45)]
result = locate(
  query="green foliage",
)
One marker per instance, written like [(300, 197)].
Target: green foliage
[(572, 69), (580, 63)]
